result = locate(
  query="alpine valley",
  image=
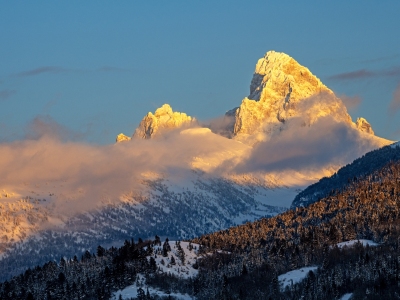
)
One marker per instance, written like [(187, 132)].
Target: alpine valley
[(287, 161)]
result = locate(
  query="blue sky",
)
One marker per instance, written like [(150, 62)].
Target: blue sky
[(93, 69)]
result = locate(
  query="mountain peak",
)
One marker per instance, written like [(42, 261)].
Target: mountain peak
[(163, 118), (277, 74), (281, 89), (122, 138), (363, 125)]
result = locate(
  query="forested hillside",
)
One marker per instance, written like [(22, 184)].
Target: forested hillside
[(368, 208), (244, 262), (363, 166)]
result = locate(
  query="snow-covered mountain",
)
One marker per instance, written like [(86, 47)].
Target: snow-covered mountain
[(177, 177)]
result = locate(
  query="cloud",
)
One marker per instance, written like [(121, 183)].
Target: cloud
[(394, 105), (45, 126), (299, 148), (351, 102), (5, 94), (353, 75), (53, 160), (379, 59), (41, 70), (82, 175), (58, 70), (363, 74), (112, 69)]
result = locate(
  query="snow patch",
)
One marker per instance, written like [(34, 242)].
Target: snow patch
[(295, 276), (352, 243), (346, 296), (132, 291)]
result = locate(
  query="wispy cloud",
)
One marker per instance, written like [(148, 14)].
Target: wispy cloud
[(112, 69), (59, 70), (42, 70), (5, 94), (351, 102), (325, 143), (364, 73), (394, 105), (45, 126), (379, 59), (353, 75)]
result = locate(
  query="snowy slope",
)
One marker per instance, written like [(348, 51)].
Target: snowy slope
[(295, 276), (180, 268)]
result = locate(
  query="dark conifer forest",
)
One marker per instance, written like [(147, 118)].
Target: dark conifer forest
[(244, 262)]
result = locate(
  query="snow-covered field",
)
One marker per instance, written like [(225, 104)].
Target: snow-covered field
[(295, 276)]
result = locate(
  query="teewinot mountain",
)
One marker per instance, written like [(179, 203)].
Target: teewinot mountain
[(181, 177)]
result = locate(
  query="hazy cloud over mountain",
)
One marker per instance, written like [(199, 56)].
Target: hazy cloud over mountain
[(325, 143), (351, 102)]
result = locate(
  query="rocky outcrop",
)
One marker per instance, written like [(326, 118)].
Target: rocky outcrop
[(364, 126), (163, 118), (122, 138)]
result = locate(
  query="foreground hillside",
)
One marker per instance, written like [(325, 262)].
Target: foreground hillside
[(369, 208), (245, 262)]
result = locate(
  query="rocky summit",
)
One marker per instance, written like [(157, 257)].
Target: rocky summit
[(122, 138), (163, 118)]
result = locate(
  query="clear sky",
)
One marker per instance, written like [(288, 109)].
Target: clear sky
[(93, 69)]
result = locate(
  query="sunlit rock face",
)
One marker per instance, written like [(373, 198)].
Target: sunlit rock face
[(282, 89), (122, 138), (163, 118), (363, 125)]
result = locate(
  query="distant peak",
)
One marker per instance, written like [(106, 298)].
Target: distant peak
[(163, 118), (364, 126), (122, 138)]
